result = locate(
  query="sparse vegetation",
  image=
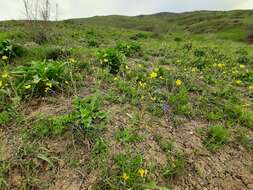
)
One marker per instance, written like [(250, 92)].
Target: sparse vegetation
[(217, 136), (140, 107)]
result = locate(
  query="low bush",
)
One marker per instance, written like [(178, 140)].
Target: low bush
[(9, 50), (58, 53), (41, 77), (111, 58), (139, 35), (129, 49)]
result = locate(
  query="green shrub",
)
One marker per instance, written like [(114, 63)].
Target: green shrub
[(58, 53), (8, 50), (199, 52), (139, 35), (129, 49), (87, 114), (111, 58), (93, 43), (41, 77)]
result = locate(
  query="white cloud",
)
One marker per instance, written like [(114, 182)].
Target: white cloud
[(246, 4)]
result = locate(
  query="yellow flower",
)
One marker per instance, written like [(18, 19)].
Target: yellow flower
[(142, 84), (27, 86), (125, 176), (153, 98), (4, 57), (47, 89), (142, 172), (194, 69), (251, 87), (49, 84), (115, 78), (72, 60), (127, 67), (238, 82), (242, 66), (1, 83), (153, 75), (5, 75), (220, 65), (178, 82)]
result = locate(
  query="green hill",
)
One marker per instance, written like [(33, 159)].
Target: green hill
[(227, 24)]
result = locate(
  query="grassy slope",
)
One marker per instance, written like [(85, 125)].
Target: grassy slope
[(223, 23), (178, 114)]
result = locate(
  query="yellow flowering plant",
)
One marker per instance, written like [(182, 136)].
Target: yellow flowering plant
[(125, 177), (111, 58), (4, 58), (153, 75), (178, 82), (40, 77)]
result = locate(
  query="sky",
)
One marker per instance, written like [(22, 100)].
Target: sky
[(13, 9)]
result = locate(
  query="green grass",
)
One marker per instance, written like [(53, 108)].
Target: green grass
[(106, 97), (217, 137)]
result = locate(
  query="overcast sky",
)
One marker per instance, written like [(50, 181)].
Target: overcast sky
[(13, 9)]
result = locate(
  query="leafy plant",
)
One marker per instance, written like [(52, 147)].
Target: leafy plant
[(93, 43), (129, 49), (58, 53), (85, 117), (41, 77), (87, 114), (139, 35), (6, 49), (111, 58)]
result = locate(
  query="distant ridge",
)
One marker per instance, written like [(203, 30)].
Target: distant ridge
[(202, 21)]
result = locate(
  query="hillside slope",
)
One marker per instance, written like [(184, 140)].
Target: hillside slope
[(91, 105), (228, 24)]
